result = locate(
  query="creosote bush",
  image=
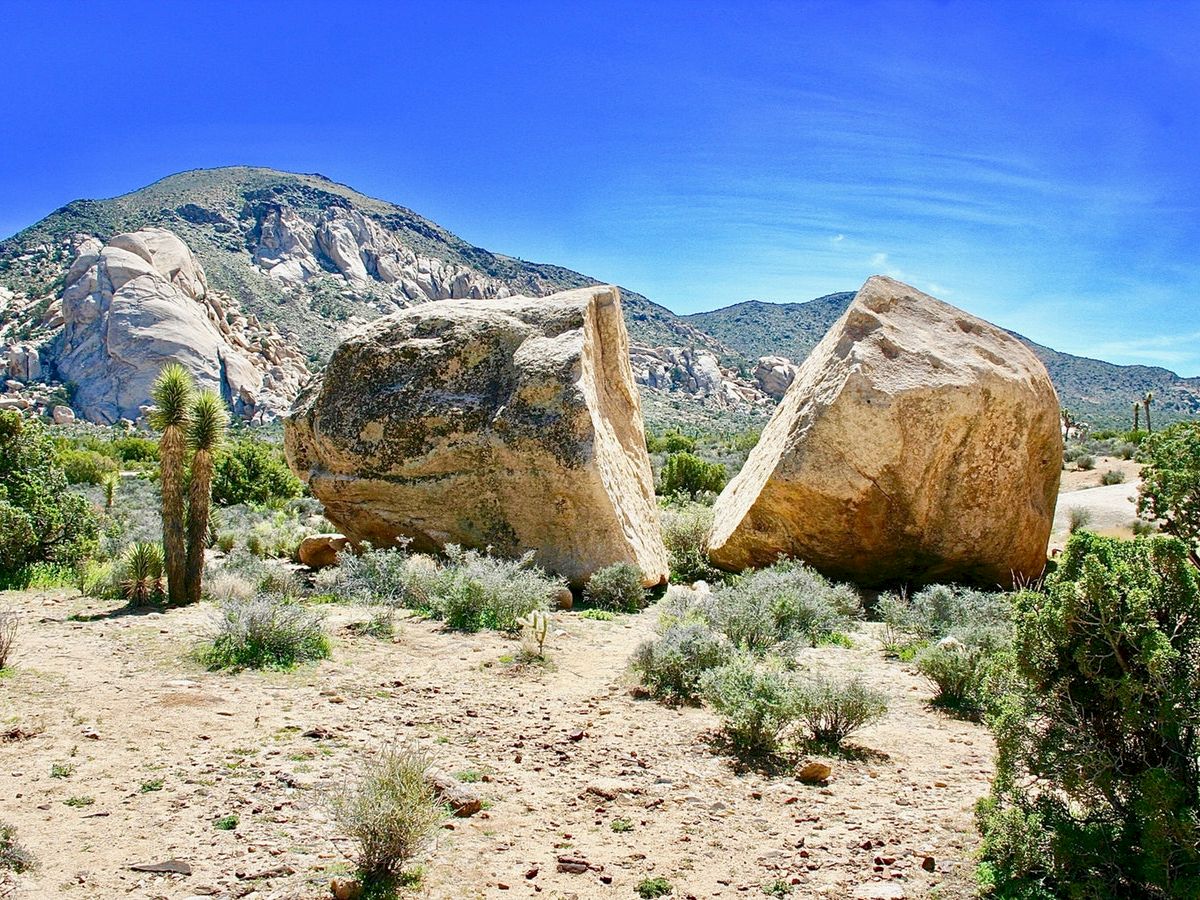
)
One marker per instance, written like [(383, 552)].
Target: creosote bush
[(1170, 491), (687, 474), (616, 587), (267, 631), (685, 533), (251, 470), (391, 812), (757, 704), (1096, 712), (671, 666), (833, 711)]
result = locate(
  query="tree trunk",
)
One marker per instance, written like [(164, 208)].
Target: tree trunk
[(171, 456), (1136, 410), (1149, 430), (199, 502)]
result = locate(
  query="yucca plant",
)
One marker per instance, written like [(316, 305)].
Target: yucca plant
[(141, 573), (173, 394), (111, 480), (206, 433)]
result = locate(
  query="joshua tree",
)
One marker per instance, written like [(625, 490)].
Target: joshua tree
[(173, 393), (1147, 400), (206, 432), (1137, 408)]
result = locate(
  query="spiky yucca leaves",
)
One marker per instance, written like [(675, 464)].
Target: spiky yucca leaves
[(173, 394), (206, 433), (142, 573)]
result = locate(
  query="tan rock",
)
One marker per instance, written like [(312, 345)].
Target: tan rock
[(917, 443), (319, 551), (512, 423)]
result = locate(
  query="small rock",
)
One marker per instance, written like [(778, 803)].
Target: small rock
[(575, 865), (879, 890), (464, 801), (565, 599), (928, 864), (169, 867), (814, 773)]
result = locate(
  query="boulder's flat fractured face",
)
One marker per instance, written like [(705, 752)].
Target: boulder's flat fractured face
[(512, 423), (917, 443)]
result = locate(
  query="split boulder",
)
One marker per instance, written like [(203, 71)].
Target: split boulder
[(507, 423), (917, 443)]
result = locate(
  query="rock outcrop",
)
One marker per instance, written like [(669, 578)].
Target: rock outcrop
[(917, 443), (511, 423), (142, 300), (774, 375), (695, 373), (293, 247)]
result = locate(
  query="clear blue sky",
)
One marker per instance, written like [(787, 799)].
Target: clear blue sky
[(1036, 163)]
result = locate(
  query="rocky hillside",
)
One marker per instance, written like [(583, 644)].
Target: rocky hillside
[(299, 259), (1097, 392)]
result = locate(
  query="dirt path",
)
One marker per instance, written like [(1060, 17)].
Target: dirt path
[(164, 750)]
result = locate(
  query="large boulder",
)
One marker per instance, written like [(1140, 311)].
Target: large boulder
[(508, 423), (917, 443), (141, 301)]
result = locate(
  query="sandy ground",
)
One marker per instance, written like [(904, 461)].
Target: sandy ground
[(1080, 479), (117, 703), (1111, 508)]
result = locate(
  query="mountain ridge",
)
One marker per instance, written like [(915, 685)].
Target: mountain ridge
[(315, 257)]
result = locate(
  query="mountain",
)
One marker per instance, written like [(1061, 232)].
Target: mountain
[(303, 259), (1096, 392)]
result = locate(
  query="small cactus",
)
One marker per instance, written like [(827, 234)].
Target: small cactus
[(534, 628)]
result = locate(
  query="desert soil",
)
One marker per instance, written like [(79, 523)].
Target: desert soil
[(558, 753), (1110, 509)]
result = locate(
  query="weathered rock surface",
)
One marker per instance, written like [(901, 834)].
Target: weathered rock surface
[(695, 373), (774, 375), (319, 551), (917, 443), (141, 301), (512, 423)]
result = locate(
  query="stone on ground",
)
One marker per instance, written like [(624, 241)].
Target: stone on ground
[(917, 443), (507, 423)]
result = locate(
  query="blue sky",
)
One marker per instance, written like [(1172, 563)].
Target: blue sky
[(1035, 163)]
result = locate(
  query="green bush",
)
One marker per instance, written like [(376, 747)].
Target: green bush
[(134, 449), (617, 587), (1170, 491), (391, 812), (833, 711), (670, 441), (250, 470), (477, 590), (14, 857), (685, 534), (958, 664), (1113, 476), (942, 609), (265, 632), (86, 466), (672, 665), (1097, 720), (685, 473), (1085, 463), (40, 518), (784, 603), (757, 704)]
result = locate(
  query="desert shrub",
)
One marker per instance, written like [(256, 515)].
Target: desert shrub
[(617, 587), (686, 473), (40, 519), (781, 604), (1127, 450), (476, 590), (670, 441), (957, 664), (140, 576), (943, 609), (757, 704), (226, 586), (685, 534), (265, 632), (832, 711), (1085, 463), (1142, 528), (134, 449), (391, 812), (86, 466), (382, 577), (650, 888), (672, 665), (13, 854), (1097, 720), (1078, 518), (1113, 476), (9, 623), (1170, 491), (1072, 453), (250, 470)]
